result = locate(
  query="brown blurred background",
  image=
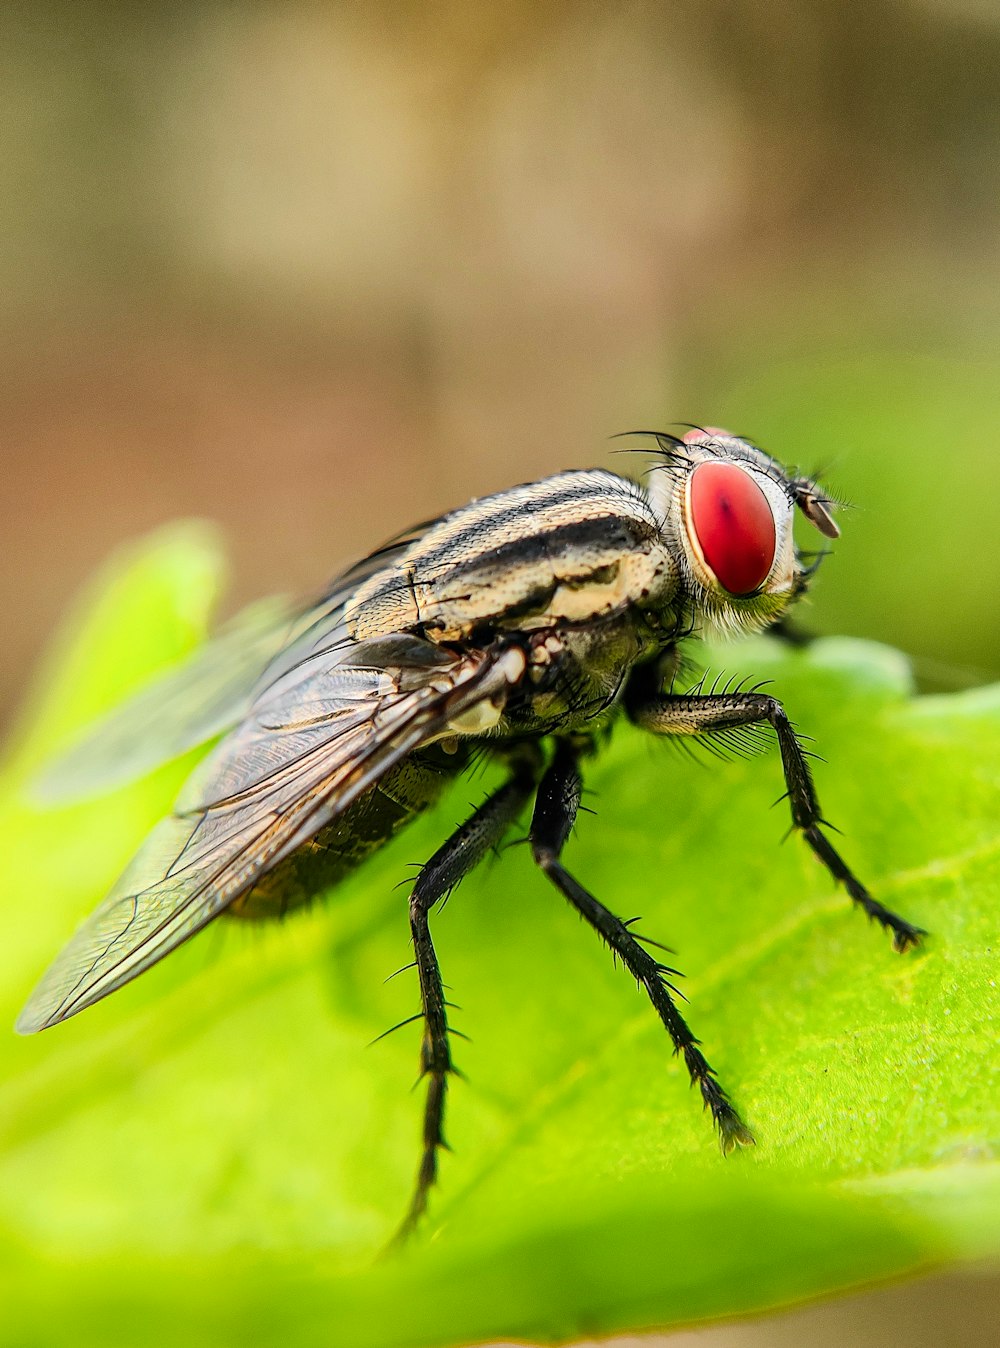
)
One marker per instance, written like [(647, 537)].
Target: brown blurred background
[(316, 270)]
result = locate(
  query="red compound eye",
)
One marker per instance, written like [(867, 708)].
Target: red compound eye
[(733, 525)]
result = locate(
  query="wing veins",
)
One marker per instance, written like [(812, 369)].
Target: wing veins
[(283, 831), (236, 888)]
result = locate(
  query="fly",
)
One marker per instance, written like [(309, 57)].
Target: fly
[(520, 626)]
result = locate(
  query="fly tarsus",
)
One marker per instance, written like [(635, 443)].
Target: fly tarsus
[(728, 1124), (904, 934)]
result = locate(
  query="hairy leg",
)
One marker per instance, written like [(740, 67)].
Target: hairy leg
[(669, 714), (555, 810), (454, 859)]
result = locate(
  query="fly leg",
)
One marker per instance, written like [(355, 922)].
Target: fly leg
[(450, 863), (556, 807), (666, 714)]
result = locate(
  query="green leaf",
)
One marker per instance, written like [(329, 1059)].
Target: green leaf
[(214, 1155)]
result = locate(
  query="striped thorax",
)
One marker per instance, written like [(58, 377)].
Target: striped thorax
[(570, 549)]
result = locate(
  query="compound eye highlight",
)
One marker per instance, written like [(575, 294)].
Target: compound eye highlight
[(731, 523)]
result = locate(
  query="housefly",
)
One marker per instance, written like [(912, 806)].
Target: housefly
[(519, 626)]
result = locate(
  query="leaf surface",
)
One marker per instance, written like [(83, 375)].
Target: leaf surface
[(215, 1155)]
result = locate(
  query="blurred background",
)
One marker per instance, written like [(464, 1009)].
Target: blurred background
[(317, 270)]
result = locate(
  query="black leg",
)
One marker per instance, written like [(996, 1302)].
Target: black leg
[(555, 810), (666, 714), (464, 850)]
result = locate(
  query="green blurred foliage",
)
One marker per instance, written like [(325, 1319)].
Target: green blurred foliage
[(214, 1155), (908, 437)]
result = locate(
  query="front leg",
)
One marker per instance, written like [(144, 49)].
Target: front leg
[(668, 714)]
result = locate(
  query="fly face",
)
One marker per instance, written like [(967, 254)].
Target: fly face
[(519, 626), (729, 508)]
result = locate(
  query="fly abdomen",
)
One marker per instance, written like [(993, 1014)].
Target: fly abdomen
[(405, 792)]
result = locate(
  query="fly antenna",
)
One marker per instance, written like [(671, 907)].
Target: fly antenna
[(815, 505)]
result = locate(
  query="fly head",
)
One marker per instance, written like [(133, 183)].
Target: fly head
[(728, 512)]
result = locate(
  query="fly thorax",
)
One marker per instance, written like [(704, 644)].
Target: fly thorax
[(570, 550)]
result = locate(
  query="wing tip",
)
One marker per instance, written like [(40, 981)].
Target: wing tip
[(32, 1019), (39, 1013)]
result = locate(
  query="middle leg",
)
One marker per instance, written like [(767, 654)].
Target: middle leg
[(556, 806)]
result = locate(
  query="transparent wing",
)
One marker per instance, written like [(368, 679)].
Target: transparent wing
[(205, 695), (174, 712), (318, 736)]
